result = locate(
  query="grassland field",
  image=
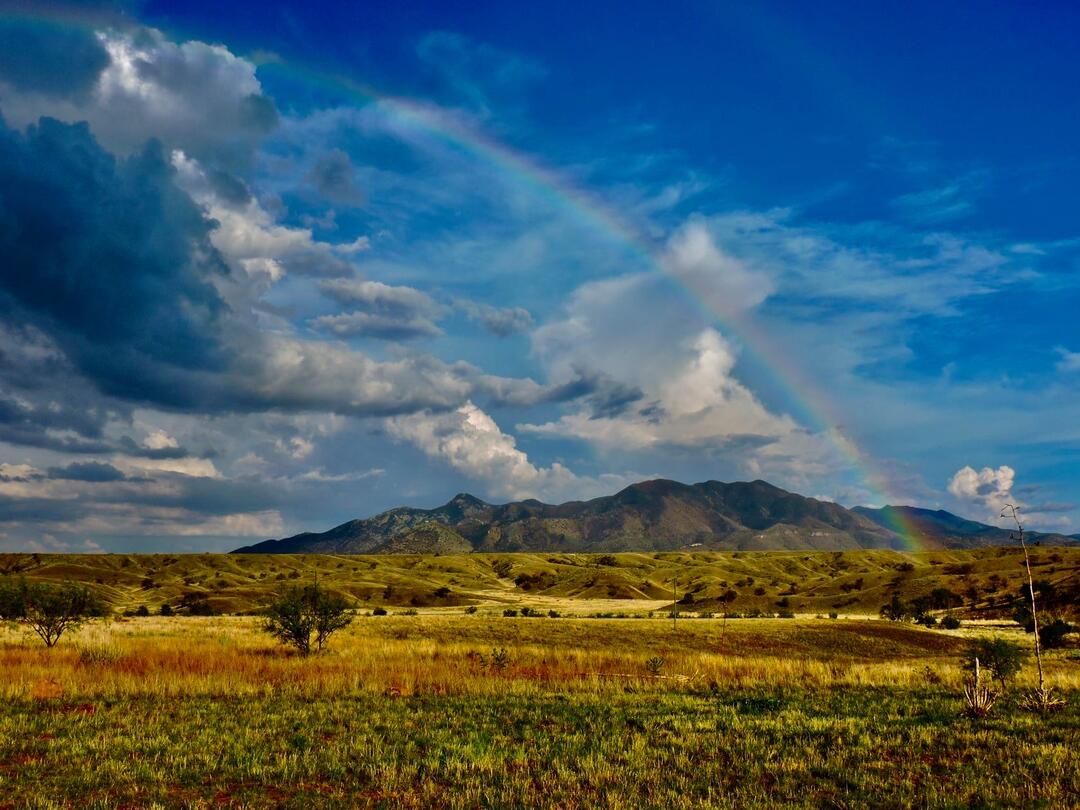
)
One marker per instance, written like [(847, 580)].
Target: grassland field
[(444, 709)]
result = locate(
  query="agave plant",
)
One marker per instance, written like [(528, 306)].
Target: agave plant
[(978, 699)]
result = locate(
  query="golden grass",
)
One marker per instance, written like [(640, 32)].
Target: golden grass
[(442, 655)]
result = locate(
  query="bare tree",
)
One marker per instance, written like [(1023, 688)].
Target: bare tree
[(1043, 699)]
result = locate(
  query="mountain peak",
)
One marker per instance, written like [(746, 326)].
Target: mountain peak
[(654, 515)]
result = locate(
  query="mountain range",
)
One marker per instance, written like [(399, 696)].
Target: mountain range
[(655, 515)]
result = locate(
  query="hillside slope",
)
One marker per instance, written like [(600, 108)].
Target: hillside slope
[(811, 582)]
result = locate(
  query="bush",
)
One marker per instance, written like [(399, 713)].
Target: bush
[(306, 614), (1003, 658), (510, 613), (834, 615), (166, 610), (379, 611), (553, 614), (470, 610), (142, 611), (1052, 635), (410, 612), (950, 623)]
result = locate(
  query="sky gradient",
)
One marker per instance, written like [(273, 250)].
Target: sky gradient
[(271, 267)]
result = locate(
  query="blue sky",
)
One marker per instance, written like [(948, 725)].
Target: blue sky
[(275, 266)]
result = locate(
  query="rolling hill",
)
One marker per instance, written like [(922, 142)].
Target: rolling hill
[(850, 582), (656, 515)]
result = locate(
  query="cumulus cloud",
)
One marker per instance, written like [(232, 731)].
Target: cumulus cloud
[(249, 238), (470, 441), (88, 224), (724, 284), (670, 377), (990, 488), (192, 96)]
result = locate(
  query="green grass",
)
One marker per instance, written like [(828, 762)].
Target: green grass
[(832, 748)]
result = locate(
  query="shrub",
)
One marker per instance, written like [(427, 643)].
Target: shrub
[(834, 615), (301, 615), (553, 614), (654, 665), (379, 611), (470, 610), (607, 559), (142, 611), (510, 613), (166, 610), (410, 612), (950, 623), (1002, 657), (1052, 635)]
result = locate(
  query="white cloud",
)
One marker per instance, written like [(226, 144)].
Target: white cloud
[(252, 241), (193, 96), (992, 490), (987, 487), (470, 441), (639, 331), (723, 284)]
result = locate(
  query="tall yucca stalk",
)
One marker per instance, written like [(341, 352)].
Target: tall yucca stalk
[(1043, 698)]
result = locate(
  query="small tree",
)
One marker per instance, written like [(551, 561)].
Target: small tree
[(307, 616), (47, 609), (1003, 658)]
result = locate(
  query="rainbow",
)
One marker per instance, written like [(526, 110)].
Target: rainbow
[(816, 412)]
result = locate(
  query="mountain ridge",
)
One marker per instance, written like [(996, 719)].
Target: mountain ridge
[(654, 515)]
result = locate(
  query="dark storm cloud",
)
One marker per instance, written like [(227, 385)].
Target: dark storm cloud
[(110, 259), (42, 57), (89, 471)]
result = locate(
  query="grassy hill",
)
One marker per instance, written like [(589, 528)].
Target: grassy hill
[(988, 580)]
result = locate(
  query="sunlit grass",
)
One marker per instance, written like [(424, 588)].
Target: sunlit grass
[(402, 712)]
